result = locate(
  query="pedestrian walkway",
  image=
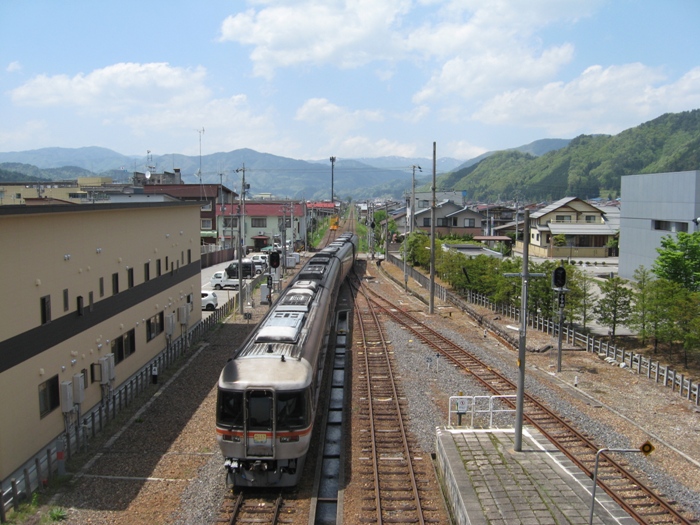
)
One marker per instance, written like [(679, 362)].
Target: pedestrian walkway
[(488, 482)]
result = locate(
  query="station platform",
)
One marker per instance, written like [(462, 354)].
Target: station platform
[(488, 482)]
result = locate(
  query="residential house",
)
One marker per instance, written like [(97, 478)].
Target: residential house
[(585, 228)]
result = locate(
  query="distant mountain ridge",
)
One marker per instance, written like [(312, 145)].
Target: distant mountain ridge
[(587, 166), (362, 178), (590, 166)]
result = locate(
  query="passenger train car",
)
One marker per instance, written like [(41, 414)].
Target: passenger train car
[(268, 392)]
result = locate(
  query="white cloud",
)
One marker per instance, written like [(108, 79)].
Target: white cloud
[(13, 67), (462, 149), (619, 96), (116, 88), (343, 33), (335, 119)]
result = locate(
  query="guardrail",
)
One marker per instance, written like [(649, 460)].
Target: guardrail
[(665, 375), (477, 407)]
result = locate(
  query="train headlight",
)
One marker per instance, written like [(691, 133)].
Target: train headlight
[(289, 439)]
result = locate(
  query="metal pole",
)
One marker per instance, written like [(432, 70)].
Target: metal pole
[(332, 180), (561, 323), (431, 302), (595, 475), (522, 343), (405, 255)]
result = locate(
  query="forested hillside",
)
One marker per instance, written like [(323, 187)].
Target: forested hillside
[(590, 166)]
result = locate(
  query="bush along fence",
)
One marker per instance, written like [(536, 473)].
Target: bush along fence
[(642, 365), (40, 470)]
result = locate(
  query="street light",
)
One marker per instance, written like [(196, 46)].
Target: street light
[(332, 176)]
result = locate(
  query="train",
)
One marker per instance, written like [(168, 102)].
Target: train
[(268, 391)]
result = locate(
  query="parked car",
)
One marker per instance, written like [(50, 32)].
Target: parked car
[(248, 269), (209, 300), (260, 260), (221, 280)]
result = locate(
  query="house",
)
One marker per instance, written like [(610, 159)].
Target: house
[(213, 198), (443, 224), (655, 205), (111, 287), (585, 228), (267, 222)]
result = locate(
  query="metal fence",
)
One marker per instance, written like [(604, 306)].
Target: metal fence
[(667, 376)]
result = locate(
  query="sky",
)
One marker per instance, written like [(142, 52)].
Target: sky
[(310, 79)]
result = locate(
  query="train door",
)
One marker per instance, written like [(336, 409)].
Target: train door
[(260, 435)]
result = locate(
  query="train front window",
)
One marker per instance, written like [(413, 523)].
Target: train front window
[(291, 410), (230, 409), (260, 409)]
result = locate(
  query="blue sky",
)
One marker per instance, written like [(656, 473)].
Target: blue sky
[(308, 79)]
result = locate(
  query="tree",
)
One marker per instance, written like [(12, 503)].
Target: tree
[(615, 304), (640, 317), (679, 260), (580, 298)]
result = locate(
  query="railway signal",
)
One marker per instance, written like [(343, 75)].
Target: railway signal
[(274, 259)]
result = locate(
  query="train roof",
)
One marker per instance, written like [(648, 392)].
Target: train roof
[(266, 371)]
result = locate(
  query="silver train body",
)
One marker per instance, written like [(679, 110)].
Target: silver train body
[(268, 392)]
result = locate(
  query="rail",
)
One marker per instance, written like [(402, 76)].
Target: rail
[(642, 365)]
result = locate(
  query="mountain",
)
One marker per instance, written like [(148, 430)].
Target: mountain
[(589, 166), (537, 148), (265, 173)]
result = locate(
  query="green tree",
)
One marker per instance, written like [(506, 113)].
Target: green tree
[(581, 296), (640, 317), (679, 260), (614, 306)]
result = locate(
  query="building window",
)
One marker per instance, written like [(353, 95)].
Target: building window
[(91, 300), (206, 207), (154, 326), (124, 346), (469, 223), (205, 224), (426, 222), (81, 306), (66, 306), (115, 283), (102, 286), (146, 272), (46, 309), (49, 397), (562, 218), (189, 256), (258, 222), (230, 222), (130, 278), (159, 270), (591, 218)]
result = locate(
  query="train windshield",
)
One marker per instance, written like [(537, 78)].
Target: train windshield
[(260, 409), (292, 410), (230, 409)]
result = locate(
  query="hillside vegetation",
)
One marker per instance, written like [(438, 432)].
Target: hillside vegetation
[(589, 166)]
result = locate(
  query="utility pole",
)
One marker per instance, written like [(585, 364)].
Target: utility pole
[(242, 200), (522, 346), (413, 196), (433, 206)]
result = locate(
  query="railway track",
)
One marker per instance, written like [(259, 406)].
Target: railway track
[(396, 473), (631, 493), (246, 507)]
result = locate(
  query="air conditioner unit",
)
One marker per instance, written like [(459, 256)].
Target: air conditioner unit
[(112, 367), (183, 314), (104, 370), (66, 396), (170, 324), (78, 388)]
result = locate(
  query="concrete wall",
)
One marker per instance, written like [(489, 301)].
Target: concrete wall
[(671, 197)]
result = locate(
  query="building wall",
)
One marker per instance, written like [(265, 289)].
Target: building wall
[(669, 197), (50, 249)]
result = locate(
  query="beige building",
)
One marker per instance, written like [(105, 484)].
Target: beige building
[(91, 294)]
